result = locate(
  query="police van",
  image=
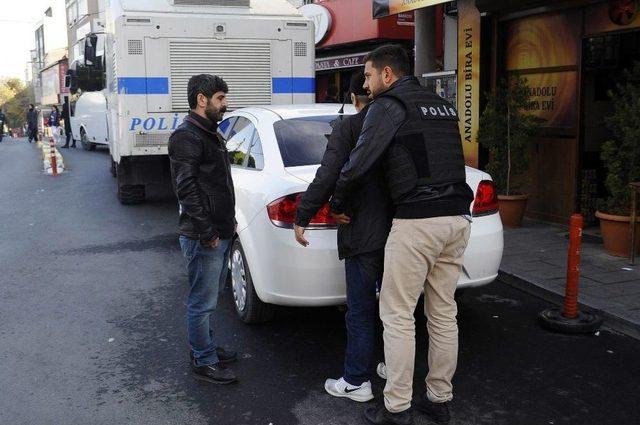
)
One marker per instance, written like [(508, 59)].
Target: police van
[(264, 50)]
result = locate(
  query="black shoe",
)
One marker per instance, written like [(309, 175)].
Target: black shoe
[(224, 356), (73, 146), (65, 146), (381, 416), (437, 412), (215, 373)]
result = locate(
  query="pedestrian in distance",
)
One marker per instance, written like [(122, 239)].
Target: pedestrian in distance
[(32, 123), (415, 134), (3, 120), (362, 234), (54, 123), (66, 116), (201, 175)]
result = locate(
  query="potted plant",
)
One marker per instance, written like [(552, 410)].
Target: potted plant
[(506, 128), (621, 158)]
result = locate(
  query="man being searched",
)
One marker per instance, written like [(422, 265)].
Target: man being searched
[(201, 174), (364, 227), (416, 133)]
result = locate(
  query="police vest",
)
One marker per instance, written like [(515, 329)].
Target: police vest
[(427, 148)]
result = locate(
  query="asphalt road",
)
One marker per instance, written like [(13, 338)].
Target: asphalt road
[(92, 328)]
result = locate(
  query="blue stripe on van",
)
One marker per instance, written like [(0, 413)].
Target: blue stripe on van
[(294, 85), (143, 85)]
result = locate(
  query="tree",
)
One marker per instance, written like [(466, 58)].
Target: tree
[(506, 127), (621, 155), (14, 100)]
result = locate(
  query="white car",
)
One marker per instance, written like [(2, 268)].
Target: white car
[(275, 152), (89, 120)]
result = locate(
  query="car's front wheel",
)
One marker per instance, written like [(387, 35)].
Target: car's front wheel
[(249, 307)]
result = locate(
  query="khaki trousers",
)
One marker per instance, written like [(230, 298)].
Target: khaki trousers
[(421, 254)]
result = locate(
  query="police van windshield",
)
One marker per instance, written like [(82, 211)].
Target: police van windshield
[(302, 141)]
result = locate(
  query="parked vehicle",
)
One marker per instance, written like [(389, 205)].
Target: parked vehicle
[(263, 49), (89, 120), (275, 152)]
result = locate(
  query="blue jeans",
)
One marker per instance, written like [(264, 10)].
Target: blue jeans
[(363, 272), (207, 270)]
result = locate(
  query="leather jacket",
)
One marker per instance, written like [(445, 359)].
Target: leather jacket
[(370, 209), (201, 175)]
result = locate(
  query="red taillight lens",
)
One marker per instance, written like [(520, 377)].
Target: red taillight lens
[(486, 199), (282, 212)]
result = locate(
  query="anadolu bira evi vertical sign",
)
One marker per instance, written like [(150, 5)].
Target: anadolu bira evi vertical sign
[(469, 78)]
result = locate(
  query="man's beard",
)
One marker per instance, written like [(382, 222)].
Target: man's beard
[(214, 114)]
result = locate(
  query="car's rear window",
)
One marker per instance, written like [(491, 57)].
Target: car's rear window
[(302, 141)]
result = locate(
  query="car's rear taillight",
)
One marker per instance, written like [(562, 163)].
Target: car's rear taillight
[(486, 199), (282, 213)]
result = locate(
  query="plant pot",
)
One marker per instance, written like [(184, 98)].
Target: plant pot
[(616, 234), (512, 208)]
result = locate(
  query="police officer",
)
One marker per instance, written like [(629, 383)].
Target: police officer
[(3, 120), (32, 123), (416, 134), (362, 235)]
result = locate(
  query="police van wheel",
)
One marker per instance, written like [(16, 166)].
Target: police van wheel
[(248, 305), (130, 194)]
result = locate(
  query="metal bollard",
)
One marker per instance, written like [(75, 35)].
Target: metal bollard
[(571, 320)]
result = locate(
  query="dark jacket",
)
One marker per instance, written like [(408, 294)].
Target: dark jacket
[(54, 119), (384, 117), (32, 119), (66, 116), (201, 174), (3, 121), (370, 208)]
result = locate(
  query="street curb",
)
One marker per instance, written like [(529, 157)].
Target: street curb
[(611, 321)]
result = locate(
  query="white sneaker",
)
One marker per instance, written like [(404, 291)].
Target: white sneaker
[(340, 388), (381, 370)]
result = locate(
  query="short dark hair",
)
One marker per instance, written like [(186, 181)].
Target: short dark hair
[(206, 84), (356, 84), (392, 55)]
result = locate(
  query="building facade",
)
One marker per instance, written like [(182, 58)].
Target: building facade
[(50, 52), (82, 17), (345, 32)]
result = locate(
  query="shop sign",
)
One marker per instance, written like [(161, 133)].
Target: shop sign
[(62, 72), (406, 19), (382, 8), (321, 18), (325, 64), (615, 15), (469, 78)]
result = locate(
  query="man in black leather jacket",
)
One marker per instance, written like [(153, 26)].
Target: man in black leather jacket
[(415, 133), (362, 235), (201, 174)]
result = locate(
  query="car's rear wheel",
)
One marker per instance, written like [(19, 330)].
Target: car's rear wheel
[(248, 306)]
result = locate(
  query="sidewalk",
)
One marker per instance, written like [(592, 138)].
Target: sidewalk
[(535, 260)]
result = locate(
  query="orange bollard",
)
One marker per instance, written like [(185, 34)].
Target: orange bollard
[(54, 164), (570, 319), (576, 223)]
